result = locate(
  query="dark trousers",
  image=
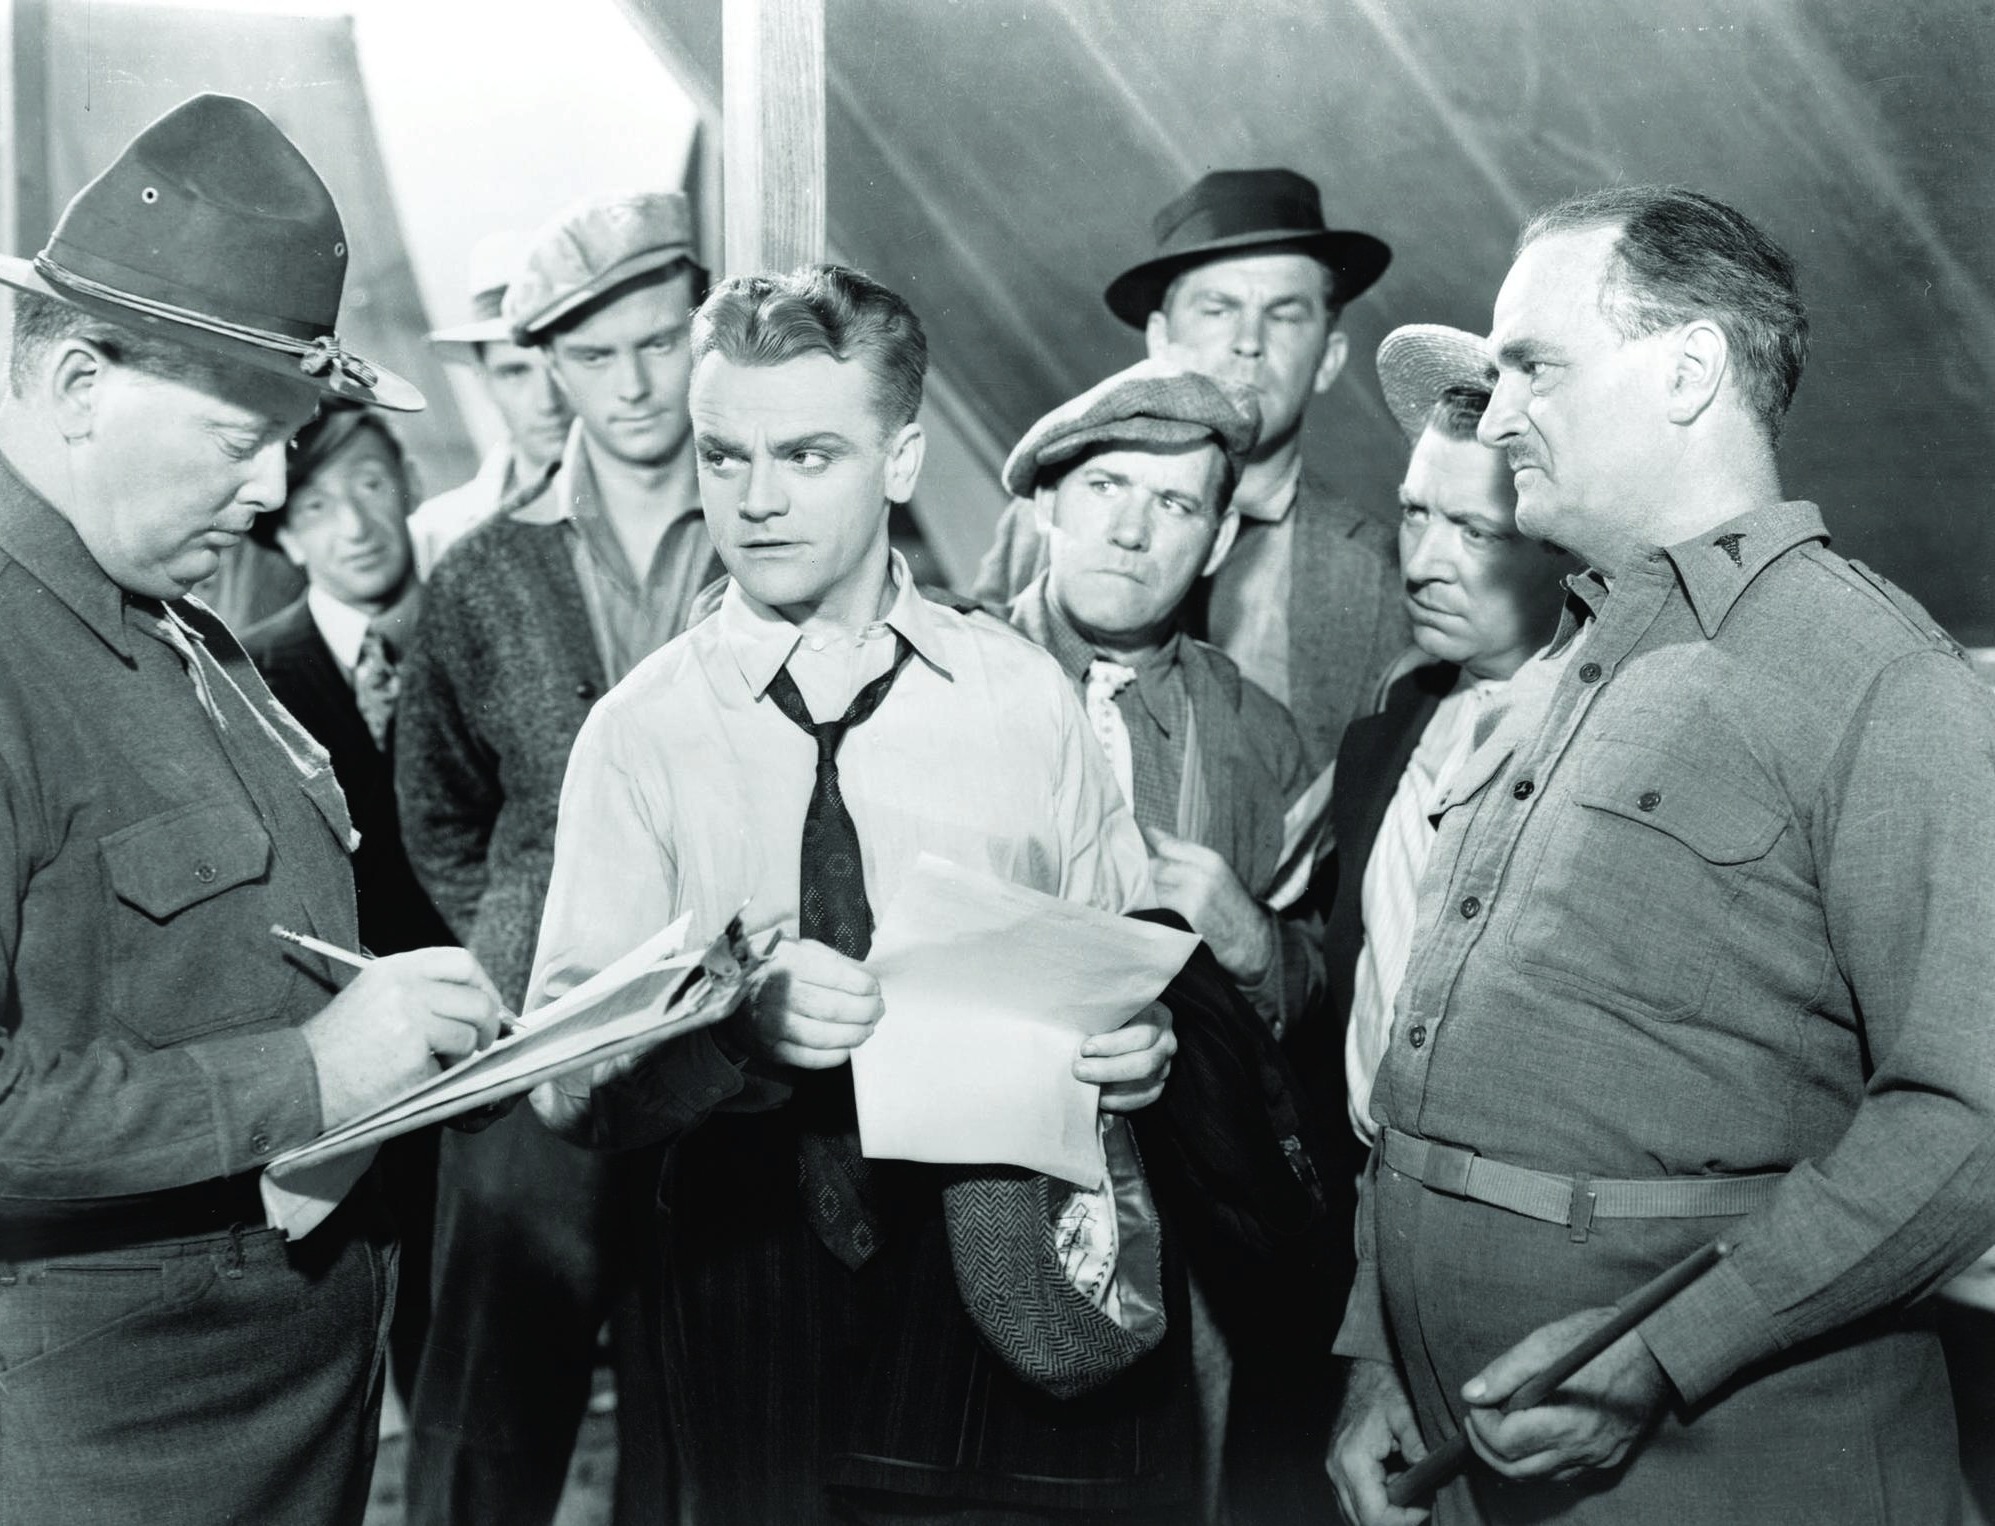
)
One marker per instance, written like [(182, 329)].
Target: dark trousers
[(537, 1243), (1855, 1429), (407, 1169), (231, 1378)]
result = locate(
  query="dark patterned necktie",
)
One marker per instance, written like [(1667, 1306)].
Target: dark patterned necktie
[(839, 1184), (377, 684)]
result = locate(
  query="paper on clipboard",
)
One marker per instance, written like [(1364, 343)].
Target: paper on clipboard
[(654, 990), (1303, 826), (989, 988)]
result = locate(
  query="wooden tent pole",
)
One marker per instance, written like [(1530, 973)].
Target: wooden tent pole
[(25, 213), (772, 113)]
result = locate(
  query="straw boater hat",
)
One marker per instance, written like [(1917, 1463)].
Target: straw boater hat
[(1239, 212), (212, 230), (495, 260), (1420, 361)]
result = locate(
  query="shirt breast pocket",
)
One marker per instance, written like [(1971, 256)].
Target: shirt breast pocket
[(188, 885), (1634, 897)]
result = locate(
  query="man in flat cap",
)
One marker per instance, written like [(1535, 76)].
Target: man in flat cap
[(526, 623), (164, 1357), (1701, 953), (1246, 286), (331, 659), (530, 404)]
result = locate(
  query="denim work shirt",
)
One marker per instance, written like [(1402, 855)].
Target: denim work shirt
[(148, 1019), (1724, 902)]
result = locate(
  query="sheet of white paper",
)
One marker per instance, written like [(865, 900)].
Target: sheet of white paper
[(619, 1008), (1303, 826), (989, 988)]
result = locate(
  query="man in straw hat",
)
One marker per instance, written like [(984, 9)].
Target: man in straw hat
[(163, 1356), (526, 623), (530, 405), (1246, 285)]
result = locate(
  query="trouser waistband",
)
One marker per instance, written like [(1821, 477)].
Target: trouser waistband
[(36, 1231), (1574, 1201)]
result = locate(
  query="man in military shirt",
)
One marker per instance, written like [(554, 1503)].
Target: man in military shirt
[(164, 1357), (1702, 951)]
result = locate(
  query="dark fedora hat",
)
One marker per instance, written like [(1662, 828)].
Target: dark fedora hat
[(213, 230), (1238, 212)]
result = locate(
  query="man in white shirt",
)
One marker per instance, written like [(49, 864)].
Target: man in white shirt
[(535, 413), (797, 751)]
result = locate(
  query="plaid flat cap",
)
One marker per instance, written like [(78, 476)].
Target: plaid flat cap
[(1151, 403), (591, 249)]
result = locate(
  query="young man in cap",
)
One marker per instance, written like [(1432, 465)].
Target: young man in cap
[(530, 405), (525, 624), (1246, 286), (332, 660), (167, 1358), (825, 1365), (1702, 952)]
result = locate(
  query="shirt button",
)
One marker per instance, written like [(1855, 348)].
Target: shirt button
[(1471, 907), (1522, 789), (1417, 1035), (1589, 672), (585, 690), (205, 873), (1650, 799)]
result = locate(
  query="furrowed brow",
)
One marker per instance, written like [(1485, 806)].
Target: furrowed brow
[(826, 440)]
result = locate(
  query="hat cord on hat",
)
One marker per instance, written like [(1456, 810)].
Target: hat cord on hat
[(315, 358)]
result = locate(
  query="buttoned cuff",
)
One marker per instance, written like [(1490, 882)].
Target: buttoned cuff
[(665, 1095), (263, 1093), (1709, 1331)]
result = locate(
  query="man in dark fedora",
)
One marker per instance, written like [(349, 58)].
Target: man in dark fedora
[(1246, 285), (164, 1356)]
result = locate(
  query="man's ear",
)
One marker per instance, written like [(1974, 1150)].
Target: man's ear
[(1042, 508), (1157, 337), (1336, 350), (287, 542), (1222, 543), (904, 456), (74, 382), (1697, 366)]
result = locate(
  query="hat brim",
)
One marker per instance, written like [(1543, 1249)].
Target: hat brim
[(1357, 258), (460, 343), (1031, 460), (1420, 361), (531, 328), (387, 391)]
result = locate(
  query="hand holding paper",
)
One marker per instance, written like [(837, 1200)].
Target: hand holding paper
[(989, 989)]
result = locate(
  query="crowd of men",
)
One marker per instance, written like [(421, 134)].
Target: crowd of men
[(1645, 871)]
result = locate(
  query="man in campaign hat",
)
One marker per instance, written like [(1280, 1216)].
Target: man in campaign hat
[(526, 624), (1246, 284), (166, 1357), (535, 414)]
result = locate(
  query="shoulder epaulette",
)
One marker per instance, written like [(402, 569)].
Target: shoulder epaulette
[(1909, 609)]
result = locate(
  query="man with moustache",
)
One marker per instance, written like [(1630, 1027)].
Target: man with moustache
[(1246, 285), (854, 1340), (526, 623), (530, 405), (331, 659), (1701, 952), (164, 1356)]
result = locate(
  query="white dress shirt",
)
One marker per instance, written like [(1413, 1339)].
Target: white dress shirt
[(341, 626)]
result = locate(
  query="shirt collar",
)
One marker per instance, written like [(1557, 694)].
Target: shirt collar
[(1718, 565), (343, 627), (1280, 501), (761, 639), (35, 534), (573, 495), (1048, 625)]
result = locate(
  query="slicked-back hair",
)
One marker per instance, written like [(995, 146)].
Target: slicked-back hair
[(1683, 255), (1458, 410), (832, 310), (41, 323)]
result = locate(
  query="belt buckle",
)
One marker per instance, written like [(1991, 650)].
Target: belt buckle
[(1446, 1169)]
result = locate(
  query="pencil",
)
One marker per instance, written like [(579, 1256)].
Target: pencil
[(1419, 1482), (319, 946)]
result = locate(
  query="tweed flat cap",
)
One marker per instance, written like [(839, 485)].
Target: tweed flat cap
[(1151, 403), (591, 249), (1420, 361)]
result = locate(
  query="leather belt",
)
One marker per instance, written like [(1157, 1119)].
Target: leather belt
[(1574, 1201), (33, 1230)]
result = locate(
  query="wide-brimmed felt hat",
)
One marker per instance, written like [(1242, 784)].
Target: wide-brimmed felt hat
[(1151, 403), (213, 230), (590, 250), (1420, 361), (495, 260), (1239, 212), (324, 436)]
